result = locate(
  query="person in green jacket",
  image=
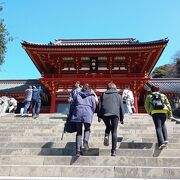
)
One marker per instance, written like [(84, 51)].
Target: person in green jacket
[(159, 115)]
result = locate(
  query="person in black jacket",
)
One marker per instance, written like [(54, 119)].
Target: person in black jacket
[(111, 111), (37, 94)]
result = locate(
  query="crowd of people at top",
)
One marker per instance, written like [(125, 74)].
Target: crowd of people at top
[(33, 96), (111, 108)]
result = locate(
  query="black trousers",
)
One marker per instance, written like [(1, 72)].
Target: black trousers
[(161, 131), (79, 127), (111, 123)]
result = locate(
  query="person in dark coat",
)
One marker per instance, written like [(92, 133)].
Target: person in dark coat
[(84, 106), (36, 101), (111, 111)]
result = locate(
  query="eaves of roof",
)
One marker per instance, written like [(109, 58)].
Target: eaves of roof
[(96, 42), (166, 85), (7, 86)]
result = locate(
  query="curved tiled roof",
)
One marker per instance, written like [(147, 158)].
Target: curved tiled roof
[(13, 86), (166, 85), (96, 42)]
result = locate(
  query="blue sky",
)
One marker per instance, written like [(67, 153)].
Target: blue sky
[(42, 21)]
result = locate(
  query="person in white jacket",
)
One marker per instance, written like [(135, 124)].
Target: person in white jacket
[(12, 104), (4, 104), (128, 100)]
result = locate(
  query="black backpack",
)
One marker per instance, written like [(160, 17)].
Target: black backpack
[(157, 101)]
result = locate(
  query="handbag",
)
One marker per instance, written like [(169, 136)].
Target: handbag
[(69, 127)]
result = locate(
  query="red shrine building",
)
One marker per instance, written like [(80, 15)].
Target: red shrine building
[(126, 62)]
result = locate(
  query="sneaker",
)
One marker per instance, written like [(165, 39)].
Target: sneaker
[(162, 146), (113, 152), (166, 142), (78, 154), (34, 116), (106, 141), (86, 146)]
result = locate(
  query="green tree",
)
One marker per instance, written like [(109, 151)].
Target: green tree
[(165, 71), (4, 38), (177, 62)]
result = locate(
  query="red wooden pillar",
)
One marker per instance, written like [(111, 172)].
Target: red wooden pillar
[(53, 103), (136, 102)]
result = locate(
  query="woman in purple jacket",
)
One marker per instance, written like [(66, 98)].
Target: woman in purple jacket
[(84, 108)]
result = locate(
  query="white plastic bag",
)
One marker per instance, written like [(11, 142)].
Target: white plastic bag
[(21, 111)]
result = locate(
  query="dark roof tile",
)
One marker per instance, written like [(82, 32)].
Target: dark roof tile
[(166, 85), (96, 42)]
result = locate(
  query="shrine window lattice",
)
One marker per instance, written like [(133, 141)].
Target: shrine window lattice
[(118, 63)]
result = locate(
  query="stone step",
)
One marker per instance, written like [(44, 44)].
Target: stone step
[(68, 138), (90, 161), (64, 178), (134, 117), (91, 171), (129, 120), (31, 127), (53, 123), (57, 115), (98, 125), (33, 122), (94, 132), (43, 121), (91, 152), (94, 126), (63, 144), (125, 127), (57, 135), (34, 148)]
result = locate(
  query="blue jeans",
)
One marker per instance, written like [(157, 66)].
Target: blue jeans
[(161, 131), (26, 106), (36, 107), (127, 107)]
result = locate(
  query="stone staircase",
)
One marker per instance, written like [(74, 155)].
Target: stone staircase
[(33, 148)]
